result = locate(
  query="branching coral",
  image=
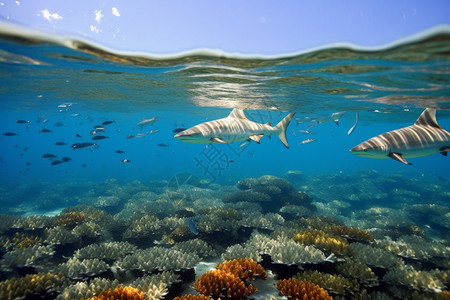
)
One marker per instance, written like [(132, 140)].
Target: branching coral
[(193, 297), (244, 268), (27, 256), (324, 241), (82, 290), (358, 270), (59, 235), (33, 222), (123, 293), (142, 226), (30, 284), (333, 283), (200, 247), (299, 290), (69, 219), (357, 234), (21, 240), (88, 229), (158, 258), (76, 269), (375, 257), (155, 286), (422, 280), (218, 283), (111, 250)]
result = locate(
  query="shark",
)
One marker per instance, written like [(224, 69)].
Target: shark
[(146, 122), (234, 128), (424, 137)]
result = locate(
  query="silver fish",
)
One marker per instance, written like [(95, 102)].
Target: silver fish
[(354, 126)]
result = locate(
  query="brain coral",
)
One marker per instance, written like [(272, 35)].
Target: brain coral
[(218, 283), (299, 290), (123, 293), (244, 268)]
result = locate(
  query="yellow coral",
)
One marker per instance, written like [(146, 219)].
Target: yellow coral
[(122, 293), (69, 219), (300, 290), (193, 297), (30, 284), (358, 233), (324, 241), (244, 268), (218, 283)]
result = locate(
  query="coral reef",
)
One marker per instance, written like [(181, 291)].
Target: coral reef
[(336, 284), (69, 219), (83, 290), (59, 235), (299, 290), (323, 241), (158, 258), (31, 284), (155, 286), (87, 229), (33, 222), (197, 246), (375, 257), (421, 280), (125, 293), (109, 251), (352, 233), (359, 271), (79, 269), (243, 268), (193, 297), (218, 283), (28, 256)]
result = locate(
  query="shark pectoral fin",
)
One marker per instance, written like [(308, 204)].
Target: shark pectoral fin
[(218, 140), (399, 157), (444, 150), (256, 137)]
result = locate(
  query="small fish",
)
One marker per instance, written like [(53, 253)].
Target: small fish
[(77, 135), (25, 149), (28, 164), (108, 122), (56, 162), (10, 134), (130, 136), (74, 115), (354, 126), (49, 155), (153, 131), (192, 226), (94, 132), (99, 128), (58, 124), (60, 144), (177, 130), (163, 145), (146, 122), (307, 141), (125, 161), (230, 161), (100, 137), (84, 165), (45, 130), (82, 145), (23, 122), (120, 151), (66, 159), (306, 131), (140, 135)]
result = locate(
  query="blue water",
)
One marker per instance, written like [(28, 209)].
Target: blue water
[(47, 84)]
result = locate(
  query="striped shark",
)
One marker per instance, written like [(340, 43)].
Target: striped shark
[(234, 128), (424, 137)]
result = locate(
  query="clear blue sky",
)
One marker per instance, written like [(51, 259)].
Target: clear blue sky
[(235, 26)]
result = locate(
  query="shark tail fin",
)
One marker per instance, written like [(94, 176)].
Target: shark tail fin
[(281, 128)]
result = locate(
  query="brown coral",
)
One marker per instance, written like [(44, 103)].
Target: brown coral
[(300, 290), (69, 219), (193, 297), (218, 283), (323, 241), (357, 234), (337, 284), (28, 285), (123, 293), (244, 268)]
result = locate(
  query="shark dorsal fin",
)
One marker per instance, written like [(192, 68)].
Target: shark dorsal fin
[(238, 114), (428, 118)]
